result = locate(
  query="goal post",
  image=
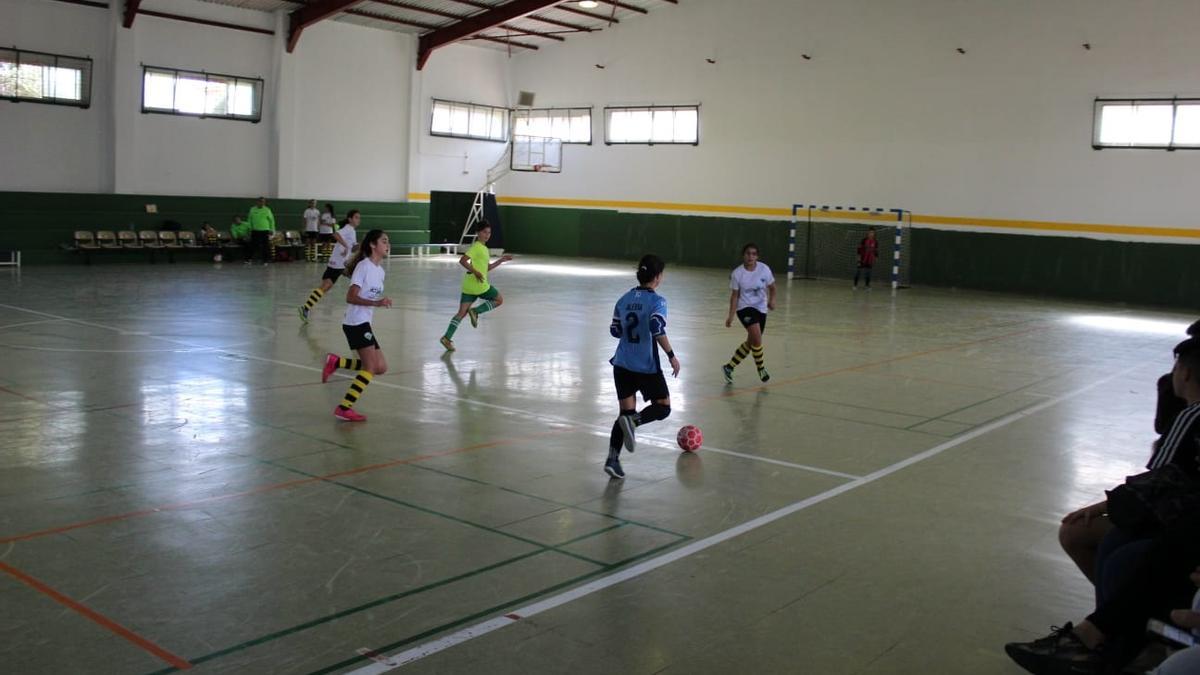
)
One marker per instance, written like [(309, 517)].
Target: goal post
[(823, 241)]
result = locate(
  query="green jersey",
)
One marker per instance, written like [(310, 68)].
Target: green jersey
[(261, 218), (480, 257), (239, 230)]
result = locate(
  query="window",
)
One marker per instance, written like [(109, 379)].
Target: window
[(569, 125), (1164, 124), (653, 124), (468, 120), (186, 92), (45, 78)]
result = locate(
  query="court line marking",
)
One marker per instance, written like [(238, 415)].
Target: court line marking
[(471, 632), (146, 645), (28, 323), (263, 488), (669, 444)]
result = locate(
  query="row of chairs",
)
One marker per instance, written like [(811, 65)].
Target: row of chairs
[(165, 239)]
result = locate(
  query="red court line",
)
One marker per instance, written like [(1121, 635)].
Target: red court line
[(872, 364), (97, 617), (20, 395), (268, 488)]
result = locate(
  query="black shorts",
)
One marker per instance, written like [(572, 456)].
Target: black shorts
[(653, 386), (310, 235), (749, 315), (325, 237), (360, 336), (333, 274)]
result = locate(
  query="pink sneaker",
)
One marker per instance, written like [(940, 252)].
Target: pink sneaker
[(331, 361), (348, 414)]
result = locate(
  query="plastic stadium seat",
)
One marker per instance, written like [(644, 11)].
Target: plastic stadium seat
[(107, 240), (85, 240), (149, 239), (187, 239), (128, 239), (168, 239)]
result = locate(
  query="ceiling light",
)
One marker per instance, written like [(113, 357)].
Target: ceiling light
[(589, 4)]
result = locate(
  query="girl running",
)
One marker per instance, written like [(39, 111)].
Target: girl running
[(640, 323), (475, 285), (365, 294), (325, 233), (753, 295), (337, 262)]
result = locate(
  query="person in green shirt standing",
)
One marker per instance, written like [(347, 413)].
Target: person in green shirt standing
[(475, 284), (262, 228)]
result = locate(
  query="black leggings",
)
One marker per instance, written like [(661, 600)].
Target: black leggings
[(261, 240)]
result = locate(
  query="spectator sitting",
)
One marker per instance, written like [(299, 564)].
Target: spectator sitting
[(208, 234), (1082, 531), (1186, 662)]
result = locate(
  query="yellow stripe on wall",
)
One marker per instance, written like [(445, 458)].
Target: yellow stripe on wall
[(957, 221)]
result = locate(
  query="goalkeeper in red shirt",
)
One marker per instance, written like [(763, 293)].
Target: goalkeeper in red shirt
[(868, 252)]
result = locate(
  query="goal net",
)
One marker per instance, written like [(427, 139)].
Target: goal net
[(825, 242)]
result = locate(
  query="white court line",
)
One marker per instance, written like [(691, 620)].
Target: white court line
[(27, 323), (665, 443), (419, 652)]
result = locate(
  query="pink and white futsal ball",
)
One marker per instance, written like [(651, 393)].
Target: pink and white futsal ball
[(690, 438)]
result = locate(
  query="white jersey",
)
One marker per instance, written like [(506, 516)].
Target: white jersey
[(337, 259), (311, 216), (751, 286), (369, 278), (326, 226)]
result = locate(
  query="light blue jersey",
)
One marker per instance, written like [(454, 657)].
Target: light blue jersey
[(639, 317)]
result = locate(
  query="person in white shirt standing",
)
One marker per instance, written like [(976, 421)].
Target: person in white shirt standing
[(325, 233), (311, 218), (365, 294), (752, 296), (337, 262)]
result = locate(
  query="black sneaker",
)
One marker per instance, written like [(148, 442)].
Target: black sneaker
[(628, 429), (613, 468), (763, 374), (728, 371), (1059, 653)]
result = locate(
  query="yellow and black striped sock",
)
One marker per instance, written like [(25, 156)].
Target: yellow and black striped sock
[(742, 350), (361, 380), (314, 298), (758, 356), (349, 364), (310, 252)]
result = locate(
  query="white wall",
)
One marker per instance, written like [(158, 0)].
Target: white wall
[(886, 113), (50, 147), (336, 112), (188, 155), (457, 73), (351, 108)]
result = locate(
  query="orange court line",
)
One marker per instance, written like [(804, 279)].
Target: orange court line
[(97, 617), (269, 488)]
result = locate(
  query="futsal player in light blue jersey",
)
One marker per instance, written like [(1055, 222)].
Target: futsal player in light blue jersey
[(640, 323)]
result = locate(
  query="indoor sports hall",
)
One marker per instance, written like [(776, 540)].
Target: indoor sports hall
[(977, 247)]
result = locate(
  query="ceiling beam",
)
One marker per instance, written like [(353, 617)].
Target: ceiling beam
[(632, 8), (131, 10), (590, 15), (427, 26), (477, 24), (533, 17), (460, 17), (312, 13)]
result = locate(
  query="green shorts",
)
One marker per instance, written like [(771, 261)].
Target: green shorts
[(489, 294)]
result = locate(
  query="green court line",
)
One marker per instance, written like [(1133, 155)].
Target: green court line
[(494, 609), (432, 512), (418, 465), (270, 637), (352, 610), (544, 499), (986, 400)]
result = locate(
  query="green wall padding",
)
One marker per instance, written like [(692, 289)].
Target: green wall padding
[(37, 222)]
